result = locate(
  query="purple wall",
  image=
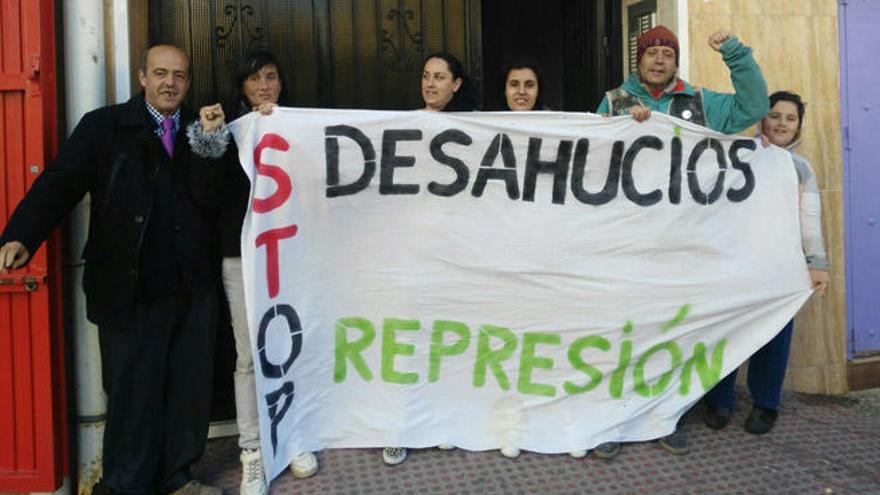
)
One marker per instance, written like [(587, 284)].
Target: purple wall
[(860, 116)]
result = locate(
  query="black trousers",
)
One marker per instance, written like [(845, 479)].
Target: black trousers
[(157, 374)]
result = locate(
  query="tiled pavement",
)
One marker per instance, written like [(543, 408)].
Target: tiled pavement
[(821, 445)]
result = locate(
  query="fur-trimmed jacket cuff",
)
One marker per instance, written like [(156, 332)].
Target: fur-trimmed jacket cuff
[(205, 144)]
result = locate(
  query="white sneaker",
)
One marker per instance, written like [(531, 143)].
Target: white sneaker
[(510, 452), (578, 454), (304, 465), (446, 446), (393, 455), (252, 480)]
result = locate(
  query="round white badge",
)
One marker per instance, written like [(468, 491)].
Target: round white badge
[(687, 114)]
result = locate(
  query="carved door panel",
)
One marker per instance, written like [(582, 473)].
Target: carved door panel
[(334, 53)]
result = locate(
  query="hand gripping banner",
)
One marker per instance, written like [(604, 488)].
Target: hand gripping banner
[(548, 281)]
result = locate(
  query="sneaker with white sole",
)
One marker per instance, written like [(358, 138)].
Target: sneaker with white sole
[(393, 455), (578, 454), (304, 465), (510, 452), (253, 481)]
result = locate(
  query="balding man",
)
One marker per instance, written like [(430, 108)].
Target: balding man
[(150, 273)]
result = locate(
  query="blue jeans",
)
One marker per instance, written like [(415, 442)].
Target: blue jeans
[(766, 374)]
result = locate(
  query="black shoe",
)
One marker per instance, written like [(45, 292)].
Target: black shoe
[(607, 450), (676, 442), (760, 420), (716, 417)]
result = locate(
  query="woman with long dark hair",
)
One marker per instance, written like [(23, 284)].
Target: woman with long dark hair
[(445, 86)]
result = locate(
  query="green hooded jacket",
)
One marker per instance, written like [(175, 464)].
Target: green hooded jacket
[(725, 112)]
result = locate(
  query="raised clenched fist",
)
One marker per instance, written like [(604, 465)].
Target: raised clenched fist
[(718, 38), (211, 117)]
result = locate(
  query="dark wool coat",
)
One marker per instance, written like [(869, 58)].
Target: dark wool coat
[(115, 156)]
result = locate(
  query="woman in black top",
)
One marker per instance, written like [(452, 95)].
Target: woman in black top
[(445, 88), (259, 86), (522, 86)]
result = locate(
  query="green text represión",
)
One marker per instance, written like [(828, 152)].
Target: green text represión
[(496, 344)]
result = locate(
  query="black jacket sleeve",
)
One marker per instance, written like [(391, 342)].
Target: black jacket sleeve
[(209, 160), (58, 189)]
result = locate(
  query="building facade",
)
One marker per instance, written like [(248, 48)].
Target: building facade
[(368, 53)]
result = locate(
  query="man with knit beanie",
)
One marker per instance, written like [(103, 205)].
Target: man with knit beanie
[(656, 87)]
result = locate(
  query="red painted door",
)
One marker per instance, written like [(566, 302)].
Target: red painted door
[(33, 432)]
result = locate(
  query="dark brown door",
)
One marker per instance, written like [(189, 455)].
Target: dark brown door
[(335, 53), (576, 42), (368, 54)]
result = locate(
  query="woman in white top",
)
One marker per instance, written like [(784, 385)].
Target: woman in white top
[(782, 127)]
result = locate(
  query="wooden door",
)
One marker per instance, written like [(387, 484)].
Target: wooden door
[(334, 53), (576, 44), (33, 451)]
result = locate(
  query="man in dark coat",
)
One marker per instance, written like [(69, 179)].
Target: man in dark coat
[(150, 272)]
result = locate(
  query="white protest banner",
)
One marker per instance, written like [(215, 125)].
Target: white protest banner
[(548, 281)]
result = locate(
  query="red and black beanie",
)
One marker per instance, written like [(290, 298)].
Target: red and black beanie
[(656, 36)]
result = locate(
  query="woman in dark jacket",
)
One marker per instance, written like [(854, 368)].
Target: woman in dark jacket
[(521, 91), (259, 86), (445, 88), (522, 86)]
